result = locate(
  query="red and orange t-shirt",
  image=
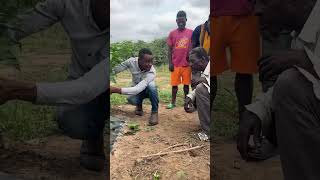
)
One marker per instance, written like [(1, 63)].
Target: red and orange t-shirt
[(180, 41), (231, 7)]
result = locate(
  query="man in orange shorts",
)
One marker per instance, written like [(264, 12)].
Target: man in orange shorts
[(179, 44), (234, 25)]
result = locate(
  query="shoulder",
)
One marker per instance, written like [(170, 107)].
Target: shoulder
[(132, 60), (173, 32), (189, 30), (198, 28)]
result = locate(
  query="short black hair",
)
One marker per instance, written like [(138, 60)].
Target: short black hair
[(201, 53), (144, 51), (181, 14)]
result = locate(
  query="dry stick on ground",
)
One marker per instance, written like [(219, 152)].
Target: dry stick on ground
[(177, 145), (171, 152)]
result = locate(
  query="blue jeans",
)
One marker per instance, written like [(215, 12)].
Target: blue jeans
[(150, 92)]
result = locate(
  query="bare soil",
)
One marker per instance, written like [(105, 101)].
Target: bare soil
[(175, 127)]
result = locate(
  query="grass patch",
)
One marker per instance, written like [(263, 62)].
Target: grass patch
[(23, 121)]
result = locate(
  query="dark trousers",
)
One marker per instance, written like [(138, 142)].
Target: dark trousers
[(203, 107), (297, 124)]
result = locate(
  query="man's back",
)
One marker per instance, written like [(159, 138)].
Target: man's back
[(88, 42)]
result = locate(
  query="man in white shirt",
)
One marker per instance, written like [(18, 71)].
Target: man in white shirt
[(200, 96), (143, 83), (290, 108), (82, 104)]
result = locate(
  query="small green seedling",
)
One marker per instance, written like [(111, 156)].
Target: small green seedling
[(156, 176), (133, 127)]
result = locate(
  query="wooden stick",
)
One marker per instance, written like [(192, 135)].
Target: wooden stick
[(177, 145), (171, 152)]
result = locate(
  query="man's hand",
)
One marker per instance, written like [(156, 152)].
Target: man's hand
[(274, 64), (171, 67), (195, 82), (249, 124), (188, 105), (115, 90), (15, 89)]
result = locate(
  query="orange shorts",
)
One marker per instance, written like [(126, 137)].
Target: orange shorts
[(181, 75), (239, 33)]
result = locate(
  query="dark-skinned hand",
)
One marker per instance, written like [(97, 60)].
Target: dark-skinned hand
[(274, 64), (188, 105), (249, 125), (195, 82)]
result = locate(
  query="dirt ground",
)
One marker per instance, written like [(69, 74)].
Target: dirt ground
[(175, 127), (57, 157), (228, 164), (51, 158)]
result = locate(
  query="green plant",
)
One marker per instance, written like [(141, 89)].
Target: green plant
[(156, 176)]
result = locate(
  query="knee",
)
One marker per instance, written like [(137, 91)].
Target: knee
[(72, 124), (201, 89), (152, 87), (288, 85)]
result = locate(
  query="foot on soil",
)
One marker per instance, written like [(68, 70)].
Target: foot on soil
[(139, 111), (203, 136), (92, 156)]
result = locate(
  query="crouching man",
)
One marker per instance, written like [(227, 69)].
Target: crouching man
[(143, 83), (200, 96)]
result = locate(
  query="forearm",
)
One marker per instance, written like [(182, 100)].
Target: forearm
[(79, 91), (135, 89)]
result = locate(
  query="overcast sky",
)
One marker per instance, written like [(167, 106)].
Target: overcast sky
[(150, 19)]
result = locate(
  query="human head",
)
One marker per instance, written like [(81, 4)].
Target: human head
[(278, 15), (145, 59), (198, 59), (181, 20)]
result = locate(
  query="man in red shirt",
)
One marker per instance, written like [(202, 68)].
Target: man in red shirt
[(179, 45)]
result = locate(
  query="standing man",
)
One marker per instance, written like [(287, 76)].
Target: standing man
[(200, 38), (234, 25), (179, 44), (87, 25), (143, 83)]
